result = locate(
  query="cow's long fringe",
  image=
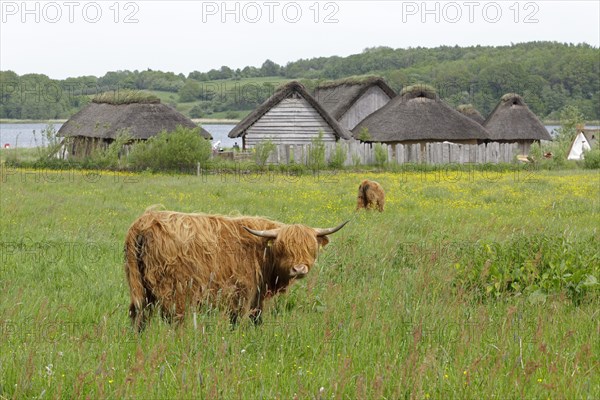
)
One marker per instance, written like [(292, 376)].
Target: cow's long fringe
[(175, 258)]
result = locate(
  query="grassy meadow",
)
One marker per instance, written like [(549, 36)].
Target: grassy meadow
[(467, 286), (224, 91)]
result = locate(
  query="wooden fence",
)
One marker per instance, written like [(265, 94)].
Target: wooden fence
[(357, 153)]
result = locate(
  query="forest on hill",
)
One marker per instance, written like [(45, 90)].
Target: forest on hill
[(549, 75)]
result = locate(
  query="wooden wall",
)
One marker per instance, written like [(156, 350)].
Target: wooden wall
[(80, 147), (433, 153), (293, 121), (372, 100)]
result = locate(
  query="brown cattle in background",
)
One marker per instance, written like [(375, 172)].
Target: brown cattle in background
[(174, 259), (370, 195)]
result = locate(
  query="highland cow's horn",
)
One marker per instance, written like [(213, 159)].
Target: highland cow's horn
[(271, 233), (329, 231)]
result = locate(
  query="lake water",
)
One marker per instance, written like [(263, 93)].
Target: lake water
[(31, 135)]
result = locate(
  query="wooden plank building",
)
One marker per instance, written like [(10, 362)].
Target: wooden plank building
[(290, 116), (351, 100)]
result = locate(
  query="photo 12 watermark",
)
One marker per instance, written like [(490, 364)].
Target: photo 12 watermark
[(453, 12), (69, 173), (53, 12), (252, 12)]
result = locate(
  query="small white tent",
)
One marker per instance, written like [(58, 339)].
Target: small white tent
[(579, 145)]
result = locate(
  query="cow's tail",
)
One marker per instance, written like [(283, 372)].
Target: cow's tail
[(134, 270)]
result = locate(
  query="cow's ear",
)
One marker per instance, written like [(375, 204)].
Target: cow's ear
[(323, 240)]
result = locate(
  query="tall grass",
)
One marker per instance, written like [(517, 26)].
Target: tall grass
[(384, 314)]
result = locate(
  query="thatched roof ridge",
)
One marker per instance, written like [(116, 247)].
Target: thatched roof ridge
[(513, 120), (419, 90), (419, 115), (470, 111), (354, 80), (117, 97), (338, 96), (510, 96), (281, 93), (105, 121)]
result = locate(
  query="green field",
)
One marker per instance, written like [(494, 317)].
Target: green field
[(468, 286), (226, 91)]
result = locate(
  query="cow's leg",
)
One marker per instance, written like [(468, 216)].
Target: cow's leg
[(256, 316), (256, 308), (179, 314), (140, 314), (233, 318), (172, 310), (236, 307), (135, 315)]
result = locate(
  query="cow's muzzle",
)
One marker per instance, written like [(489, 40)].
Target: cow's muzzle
[(299, 271)]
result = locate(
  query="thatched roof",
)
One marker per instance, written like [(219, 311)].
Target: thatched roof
[(471, 112), (513, 120), (104, 120), (282, 93), (418, 114), (338, 96)]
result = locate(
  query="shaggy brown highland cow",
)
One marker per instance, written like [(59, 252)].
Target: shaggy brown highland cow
[(174, 259), (370, 195)]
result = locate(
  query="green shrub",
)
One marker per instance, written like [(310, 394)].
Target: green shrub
[(364, 135), (536, 266), (112, 156), (381, 155), (262, 151), (570, 118), (316, 155), (591, 159), (558, 160), (179, 150), (338, 158), (535, 152)]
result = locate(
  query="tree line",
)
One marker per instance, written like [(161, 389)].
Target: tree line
[(550, 76)]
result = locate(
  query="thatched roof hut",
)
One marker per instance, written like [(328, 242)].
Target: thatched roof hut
[(290, 116), (513, 121), (100, 122), (418, 115), (470, 111), (351, 100)]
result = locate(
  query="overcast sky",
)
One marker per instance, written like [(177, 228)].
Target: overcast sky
[(75, 38)]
